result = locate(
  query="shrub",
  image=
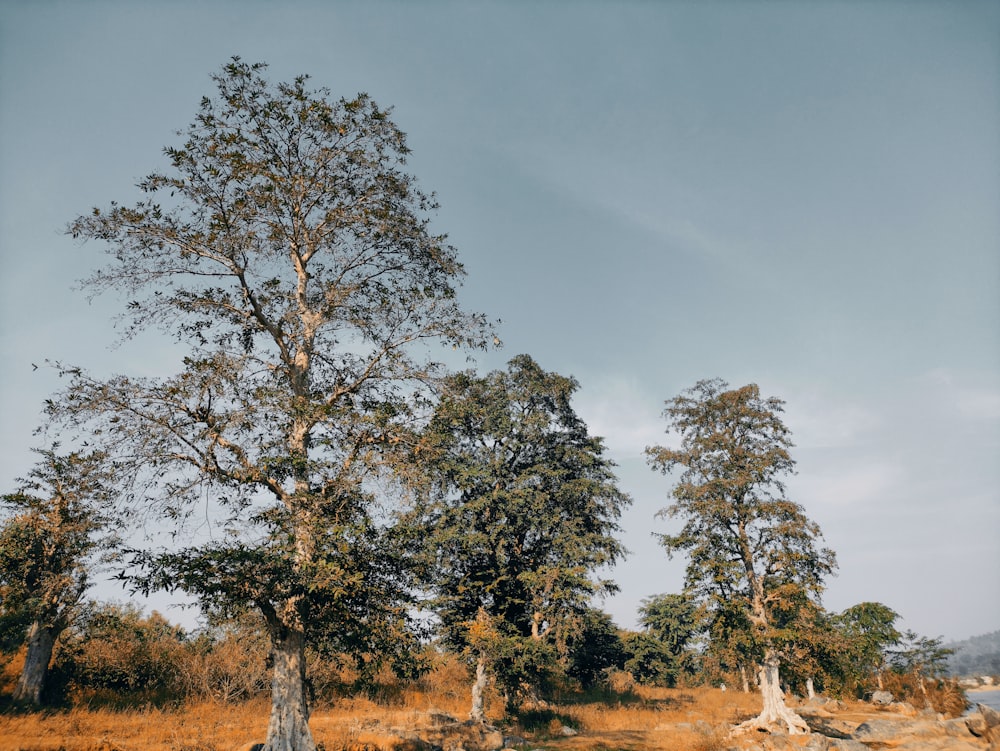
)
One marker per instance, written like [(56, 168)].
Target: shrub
[(115, 651)]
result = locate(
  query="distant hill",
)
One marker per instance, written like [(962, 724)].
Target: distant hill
[(979, 655)]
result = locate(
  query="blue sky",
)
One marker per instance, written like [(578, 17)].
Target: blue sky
[(800, 195)]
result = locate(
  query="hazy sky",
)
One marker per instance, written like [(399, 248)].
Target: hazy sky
[(800, 195)]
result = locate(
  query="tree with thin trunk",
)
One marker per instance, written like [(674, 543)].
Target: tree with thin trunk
[(521, 511), (869, 632), (922, 657), (748, 546), (289, 252), (47, 546)]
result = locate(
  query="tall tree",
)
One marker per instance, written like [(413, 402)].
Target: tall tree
[(46, 551), (523, 510), (746, 543), (291, 254)]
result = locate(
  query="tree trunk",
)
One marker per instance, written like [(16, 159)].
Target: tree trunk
[(744, 679), (288, 729), (478, 714), (810, 688), (36, 664), (774, 714)]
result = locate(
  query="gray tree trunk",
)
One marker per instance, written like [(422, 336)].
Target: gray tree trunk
[(810, 688), (29, 687), (288, 729), (775, 713), (478, 712)]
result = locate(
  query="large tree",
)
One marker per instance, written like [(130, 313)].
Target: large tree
[(522, 512), (47, 548), (289, 252), (748, 546)]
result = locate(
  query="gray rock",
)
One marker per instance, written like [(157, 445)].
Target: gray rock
[(881, 731), (990, 715), (882, 697)]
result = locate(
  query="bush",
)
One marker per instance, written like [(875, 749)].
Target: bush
[(114, 651)]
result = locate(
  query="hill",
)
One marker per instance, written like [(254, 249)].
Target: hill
[(978, 655)]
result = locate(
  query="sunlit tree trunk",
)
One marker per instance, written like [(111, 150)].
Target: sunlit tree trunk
[(478, 713), (36, 664), (775, 712), (810, 688), (288, 729)]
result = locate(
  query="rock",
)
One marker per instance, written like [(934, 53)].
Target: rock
[(976, 724), (881, 730), (956, 728), (829, 726), (567, 731), (883, 698), (990, 715)]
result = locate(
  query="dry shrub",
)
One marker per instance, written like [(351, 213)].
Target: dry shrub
[(944, 695), (228, 666)]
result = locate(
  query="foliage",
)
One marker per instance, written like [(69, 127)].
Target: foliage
[(115, 650), (920, 655), (595, 648), (869, 633), (659, 654), (520, 510), (47, 548), (46, 541), (290, 253)]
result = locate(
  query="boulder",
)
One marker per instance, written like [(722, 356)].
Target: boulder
[(883, 698)]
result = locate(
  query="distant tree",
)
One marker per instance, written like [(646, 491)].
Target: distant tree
[(594, 647), (869, 634), (922, 657), (290, 253), (746, 543), (47, 545), (522, 511), (658, 654)]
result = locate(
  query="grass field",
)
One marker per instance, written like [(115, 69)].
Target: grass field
[(682, 720)]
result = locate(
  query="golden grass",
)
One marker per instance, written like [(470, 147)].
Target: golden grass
[(681, 720)]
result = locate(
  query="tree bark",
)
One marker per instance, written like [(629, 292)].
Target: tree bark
[(810, 688), (775, 713), (288, 729), (29, 687), (478, 713)]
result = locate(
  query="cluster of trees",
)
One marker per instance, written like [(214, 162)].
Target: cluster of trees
[(347, 478)]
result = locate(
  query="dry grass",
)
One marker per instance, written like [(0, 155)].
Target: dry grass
[(681, 720)]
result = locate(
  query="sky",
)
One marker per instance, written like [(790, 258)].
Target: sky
[(799, 195)]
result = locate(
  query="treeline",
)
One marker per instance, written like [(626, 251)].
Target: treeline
[(115, 655)]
